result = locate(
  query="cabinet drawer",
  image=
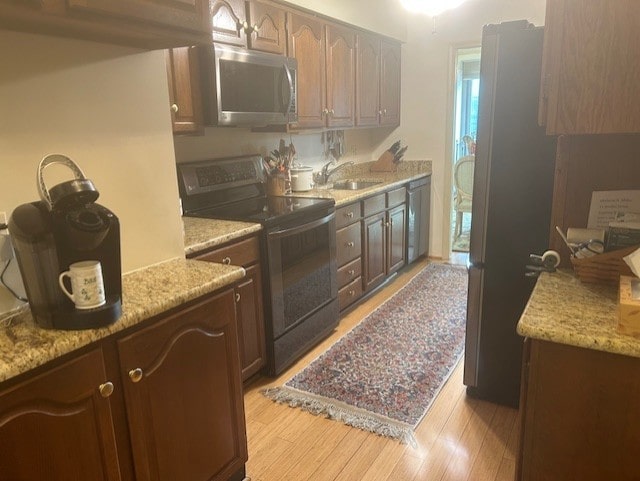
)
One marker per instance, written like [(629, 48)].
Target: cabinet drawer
[(396, 197), (349, 272), (238, 254), (350, 293), (348, 243), (374, 204), (348, 214)]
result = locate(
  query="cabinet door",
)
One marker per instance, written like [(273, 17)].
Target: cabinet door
[(306, 43), (183, 393), (341, 76), (228, 22), (390, 65), (184, 90), (368, 80), (184, 14), (374, 245), (590, 70), (268, 32), (57, 426), (396, 244), (251, 322)]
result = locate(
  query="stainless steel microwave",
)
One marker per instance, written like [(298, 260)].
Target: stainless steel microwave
[(245, 87)]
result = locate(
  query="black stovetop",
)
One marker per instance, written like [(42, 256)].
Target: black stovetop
[(265, 210)]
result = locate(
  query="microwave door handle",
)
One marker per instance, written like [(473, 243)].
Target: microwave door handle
[(299, 229), (289, 79)]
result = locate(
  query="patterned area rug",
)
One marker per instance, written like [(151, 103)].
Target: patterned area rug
[(383, 375)]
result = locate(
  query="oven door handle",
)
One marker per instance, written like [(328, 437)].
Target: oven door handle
[(277, 234)]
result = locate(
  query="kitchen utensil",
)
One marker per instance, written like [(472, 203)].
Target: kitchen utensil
[(399, 154)]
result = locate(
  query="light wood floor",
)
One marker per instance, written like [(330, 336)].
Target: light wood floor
[(459, 439)]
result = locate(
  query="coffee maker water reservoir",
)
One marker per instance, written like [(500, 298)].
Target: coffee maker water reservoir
[(64, 227)]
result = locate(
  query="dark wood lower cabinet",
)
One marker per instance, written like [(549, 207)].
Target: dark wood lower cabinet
[(248, 294), (579, 414), (253, 355), (374, 241), (57, 426), (184, 394), (397, 235), (177, 379)]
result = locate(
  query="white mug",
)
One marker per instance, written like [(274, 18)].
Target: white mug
[(86, 284)]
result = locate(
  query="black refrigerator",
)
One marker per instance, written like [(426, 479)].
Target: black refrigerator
[(511, 207)]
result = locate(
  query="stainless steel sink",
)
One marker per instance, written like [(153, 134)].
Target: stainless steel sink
[(354, 184)]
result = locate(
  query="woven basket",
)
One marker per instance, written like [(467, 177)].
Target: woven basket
[(603, 268)]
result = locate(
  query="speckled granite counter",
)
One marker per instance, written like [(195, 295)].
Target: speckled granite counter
[(146, 293), (564, 310), (407, 171), (201, 234)]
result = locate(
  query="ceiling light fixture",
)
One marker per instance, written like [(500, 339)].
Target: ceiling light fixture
[(430, 7)]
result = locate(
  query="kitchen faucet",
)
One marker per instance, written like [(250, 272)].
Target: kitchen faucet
[(325, 172)]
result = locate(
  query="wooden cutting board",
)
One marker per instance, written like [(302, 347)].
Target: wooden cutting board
[(385, 163)]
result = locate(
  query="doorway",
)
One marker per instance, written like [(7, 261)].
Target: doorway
[(467, 88)]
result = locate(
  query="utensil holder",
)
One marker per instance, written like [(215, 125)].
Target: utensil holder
[(278, 184)]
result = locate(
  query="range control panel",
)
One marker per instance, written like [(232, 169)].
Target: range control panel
[(212, 175)]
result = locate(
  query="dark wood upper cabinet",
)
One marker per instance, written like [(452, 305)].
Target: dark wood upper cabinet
[(152, 24), (326, 71), (256, 24), (390, 83), (340, 75), (268, 33), (184, 90), (58, 426), (591, 67), (306, 43), (368, 80), (378, 82), (228, 22)]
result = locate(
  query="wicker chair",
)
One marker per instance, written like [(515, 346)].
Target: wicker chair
[(463, 182)]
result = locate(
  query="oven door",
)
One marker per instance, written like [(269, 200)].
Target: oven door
[(302, 271)]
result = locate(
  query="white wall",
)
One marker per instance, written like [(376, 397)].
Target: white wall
[(106, 108)]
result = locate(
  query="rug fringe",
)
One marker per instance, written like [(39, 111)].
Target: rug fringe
[(357, 418)]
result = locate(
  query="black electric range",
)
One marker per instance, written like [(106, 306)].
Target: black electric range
[(298, 246)]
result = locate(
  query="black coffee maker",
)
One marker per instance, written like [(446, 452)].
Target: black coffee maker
[(64, 227)]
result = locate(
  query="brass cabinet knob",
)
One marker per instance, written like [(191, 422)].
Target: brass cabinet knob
[(350, 244), (352, 272), (106, 389), (384, 111), (237, 297), (174, 108), (379, 112), (325, 111), (332, 112), (226, 260), (352, 292), (349, 215), (136, 374), (386, 224)]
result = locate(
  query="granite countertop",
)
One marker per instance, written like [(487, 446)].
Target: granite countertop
[(564, 310), (201, 234), (406, 172), (146, 292)]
